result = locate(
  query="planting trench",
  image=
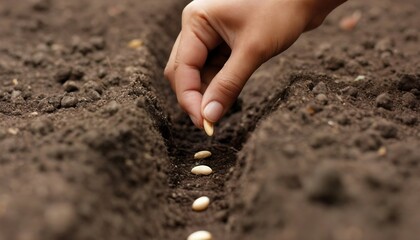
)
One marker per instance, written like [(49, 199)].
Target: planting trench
[(307, 152)]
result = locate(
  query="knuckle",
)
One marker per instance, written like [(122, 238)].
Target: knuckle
[(257, 49), (230, 86), (194, 11), (183, 100)]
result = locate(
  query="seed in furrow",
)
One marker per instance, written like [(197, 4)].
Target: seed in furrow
[(202, 154), (201, 204), (208, 127), (201, 170), (200, 235)]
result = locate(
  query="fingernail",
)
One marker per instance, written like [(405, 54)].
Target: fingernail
[(194, 120), (213, 111)]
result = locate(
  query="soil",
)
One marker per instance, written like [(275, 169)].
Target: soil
[(324, 142)]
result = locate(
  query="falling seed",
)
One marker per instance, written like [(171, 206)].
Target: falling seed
[(33, 114), (201, 204), (348, 23), (200, 235), (202, 154), (135, 43), (201, 170), (15, 81), (208, 127)]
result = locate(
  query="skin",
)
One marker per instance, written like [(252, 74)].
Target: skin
[(222, 42)]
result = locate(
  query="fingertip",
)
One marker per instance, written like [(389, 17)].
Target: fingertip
[(198, 122)]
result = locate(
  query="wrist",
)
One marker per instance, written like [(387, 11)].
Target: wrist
[(317, 10)]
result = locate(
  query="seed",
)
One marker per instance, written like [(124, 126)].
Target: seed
[(201, 170), (135, 43), (201, 204), (208, 127), (202, 154), (200, 235)]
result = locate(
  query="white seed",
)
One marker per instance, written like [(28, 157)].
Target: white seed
[(201, 170), (200, 235), (202, 154), (201, 204), (208, 127)]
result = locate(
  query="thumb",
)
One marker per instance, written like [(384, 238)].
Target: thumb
[(228, 83)]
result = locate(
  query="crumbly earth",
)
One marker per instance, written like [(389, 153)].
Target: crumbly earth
[(324, 142)]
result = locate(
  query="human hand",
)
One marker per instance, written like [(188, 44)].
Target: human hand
[(223, 42)]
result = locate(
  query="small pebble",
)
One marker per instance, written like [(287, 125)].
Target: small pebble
[(208, 128), (70, 86), (360, 78), (321, 87), (409, 100), (111, 108), (322, 98), (200, 235), (384, 101), (13, 131), (63, 74), (15, 81), (202, 154), (201, 204), (69, 101), (201, 170)]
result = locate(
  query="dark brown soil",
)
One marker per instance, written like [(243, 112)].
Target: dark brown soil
[(324, 142)]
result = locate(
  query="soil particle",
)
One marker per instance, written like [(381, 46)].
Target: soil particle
[(60, 218), (111, 108), (92, 85), (16, 96), (321, 87), (334, 63), (325, 186), (367, 141), (408, 119), (350, 91), (113, 80), (69, 101), (386, 129), (343, 119), (71, 86), (93, 95), (98, 43), (77, 73), (41, 127), (40, 5), (384, 101), (409, 100), (385, 44), (63, 74), (322, 139), (408, 82), (322, 98)]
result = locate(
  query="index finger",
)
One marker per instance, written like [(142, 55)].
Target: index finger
[(197, 39)]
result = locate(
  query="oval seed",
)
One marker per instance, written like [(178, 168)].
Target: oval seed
[(201, 204), (202, 154), (201, 170), (200, 235), (208, 127)]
